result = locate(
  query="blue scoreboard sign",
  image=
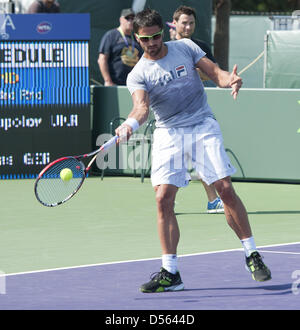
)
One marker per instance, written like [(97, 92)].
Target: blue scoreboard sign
[(44, 90), (41, 72)]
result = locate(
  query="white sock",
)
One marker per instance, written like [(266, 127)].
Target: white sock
[(169, 262), (249, 245)]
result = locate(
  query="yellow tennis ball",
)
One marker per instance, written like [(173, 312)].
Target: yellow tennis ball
[(66, 174)]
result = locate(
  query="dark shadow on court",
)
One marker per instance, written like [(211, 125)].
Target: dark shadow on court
[(280, 289), (195, 213), (277, 287), (274, 212)]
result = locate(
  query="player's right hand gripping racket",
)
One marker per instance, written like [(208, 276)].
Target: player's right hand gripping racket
[(61, 179)]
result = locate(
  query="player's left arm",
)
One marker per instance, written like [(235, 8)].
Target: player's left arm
[(221, 78), (202, 75)]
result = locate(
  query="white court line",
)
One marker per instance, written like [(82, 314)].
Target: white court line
[(147, 259)]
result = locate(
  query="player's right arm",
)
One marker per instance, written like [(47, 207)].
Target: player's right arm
[(140, 110), (138, 114)]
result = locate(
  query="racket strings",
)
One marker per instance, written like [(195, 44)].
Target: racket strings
[(52, 190)]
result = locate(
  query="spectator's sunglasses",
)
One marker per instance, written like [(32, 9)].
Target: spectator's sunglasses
[(154, 36), (129, 18)]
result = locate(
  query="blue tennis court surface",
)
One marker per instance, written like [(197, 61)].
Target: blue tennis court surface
[(213, 280)]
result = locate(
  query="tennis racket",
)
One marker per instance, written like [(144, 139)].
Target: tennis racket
[(53, 188)]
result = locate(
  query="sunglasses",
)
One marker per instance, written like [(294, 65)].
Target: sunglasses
[(129, 18), (155, 36)]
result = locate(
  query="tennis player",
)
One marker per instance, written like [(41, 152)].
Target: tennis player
[(165, 79)]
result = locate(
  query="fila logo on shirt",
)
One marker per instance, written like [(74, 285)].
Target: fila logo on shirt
[(180, 71)]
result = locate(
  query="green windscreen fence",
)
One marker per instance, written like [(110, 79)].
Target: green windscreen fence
[(282, 59), (261, 129)]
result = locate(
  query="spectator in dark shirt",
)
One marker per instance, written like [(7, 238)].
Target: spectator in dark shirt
[(119, 51), (184, 23)]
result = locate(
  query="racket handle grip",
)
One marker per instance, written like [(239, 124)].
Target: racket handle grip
[(110, 142)]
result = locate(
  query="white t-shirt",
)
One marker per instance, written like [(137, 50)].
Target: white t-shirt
[(176, 93)]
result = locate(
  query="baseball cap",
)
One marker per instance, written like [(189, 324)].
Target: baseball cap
[(127, 12)]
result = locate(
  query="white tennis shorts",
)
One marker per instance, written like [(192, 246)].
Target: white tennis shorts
[(200, 145)]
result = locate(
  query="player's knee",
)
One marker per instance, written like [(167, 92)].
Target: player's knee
[(164, 200), (226, 192)]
